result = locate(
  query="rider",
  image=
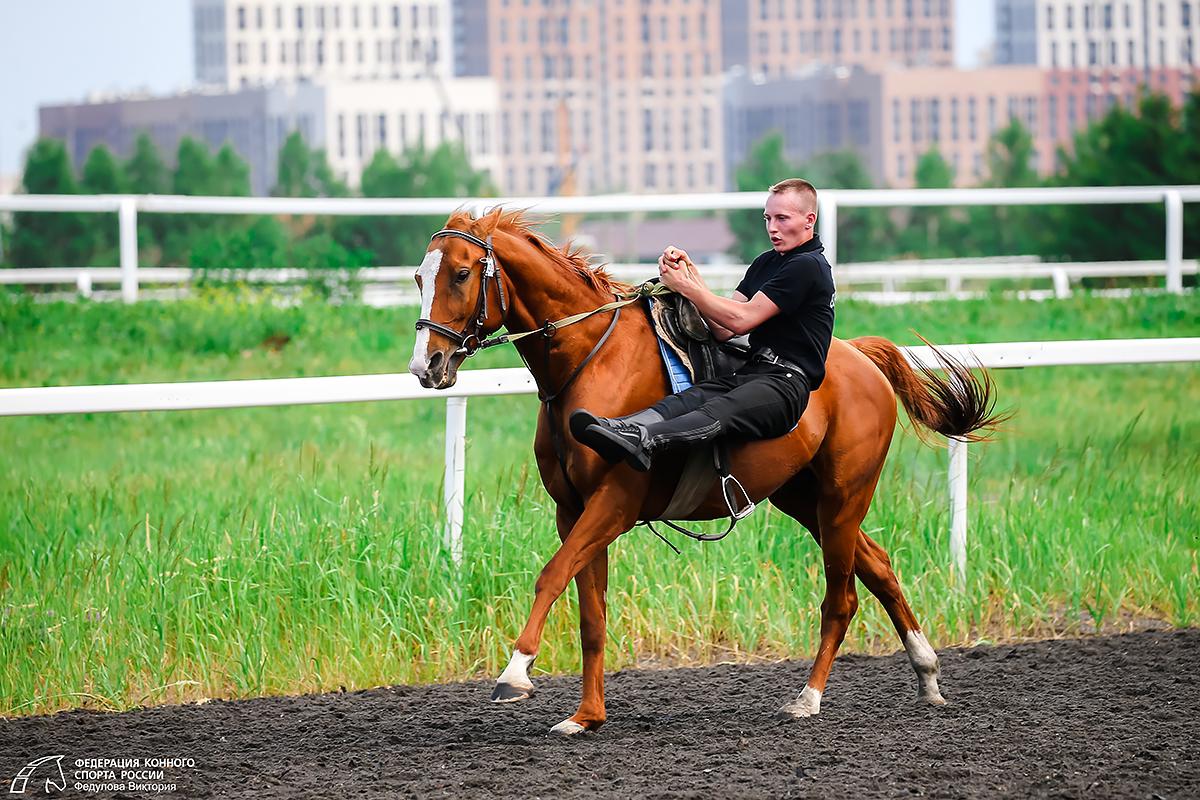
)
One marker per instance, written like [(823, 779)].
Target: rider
[(785, 302)]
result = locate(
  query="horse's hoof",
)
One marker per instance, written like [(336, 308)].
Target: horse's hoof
[(933, 699), (808, 704), (568, 727), (507, 693)]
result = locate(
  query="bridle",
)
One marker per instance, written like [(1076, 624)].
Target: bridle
[(470, 339)]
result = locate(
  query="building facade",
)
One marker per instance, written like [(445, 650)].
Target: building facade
[(610, 96), (1099, 34), (350, 120), (243, 43), (776, 37)]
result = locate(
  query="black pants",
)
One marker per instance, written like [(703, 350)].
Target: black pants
[(760, 401)]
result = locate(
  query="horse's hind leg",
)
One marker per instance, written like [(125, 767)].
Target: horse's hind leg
[(798, 499)]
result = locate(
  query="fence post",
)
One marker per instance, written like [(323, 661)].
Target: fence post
[(455, 477), (1062, 283), (828, 228), (958, 509), (1174, 204), (127, 218)]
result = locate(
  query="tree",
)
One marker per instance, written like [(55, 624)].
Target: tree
[(49, 239), (863, 234), (1006, 230), (765, 165), (1148, 146), (444, 171), (933, 232), (145, 173), (102, 175)]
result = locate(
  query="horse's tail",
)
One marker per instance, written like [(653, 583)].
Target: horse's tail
[(958, 404)]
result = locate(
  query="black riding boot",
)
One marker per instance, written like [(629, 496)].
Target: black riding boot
[(615, 438), (637, 440)]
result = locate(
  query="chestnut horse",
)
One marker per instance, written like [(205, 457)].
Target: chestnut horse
[(479, 275)]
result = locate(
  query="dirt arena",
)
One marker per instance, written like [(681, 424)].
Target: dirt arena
[(1115, 716)]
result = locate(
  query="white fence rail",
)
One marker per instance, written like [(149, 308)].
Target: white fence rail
[(128, 207), (394, 285), (476, 383)]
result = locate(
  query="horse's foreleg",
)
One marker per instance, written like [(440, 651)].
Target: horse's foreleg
[(592, 585), (610, 511)]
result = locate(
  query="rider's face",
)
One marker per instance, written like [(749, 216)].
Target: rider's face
[(789, 222)]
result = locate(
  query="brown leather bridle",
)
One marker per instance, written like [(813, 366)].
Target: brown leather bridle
[(470, 339)]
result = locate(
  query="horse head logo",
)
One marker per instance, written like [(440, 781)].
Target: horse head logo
[(22, 778)]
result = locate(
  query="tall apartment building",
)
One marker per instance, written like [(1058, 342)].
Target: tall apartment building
[(387, 69), (611, 95), (1099, 34), (242, 43), (777, 37)]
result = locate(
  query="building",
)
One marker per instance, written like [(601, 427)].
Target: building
[(349, 119), (892, 117), (1116, 35), (775, 37), (592, 101), (243, 43)]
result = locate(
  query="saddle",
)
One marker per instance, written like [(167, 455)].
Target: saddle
[(680, 326)]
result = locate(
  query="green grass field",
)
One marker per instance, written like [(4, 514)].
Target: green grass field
[(162, 557)]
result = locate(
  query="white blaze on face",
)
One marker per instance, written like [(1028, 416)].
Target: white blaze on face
[(428, 273)]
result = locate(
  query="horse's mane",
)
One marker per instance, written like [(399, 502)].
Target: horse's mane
[(571, 257)]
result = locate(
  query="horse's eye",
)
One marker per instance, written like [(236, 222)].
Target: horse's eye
[(462, 275)]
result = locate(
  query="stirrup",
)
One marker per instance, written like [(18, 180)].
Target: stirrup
[(747, 509)]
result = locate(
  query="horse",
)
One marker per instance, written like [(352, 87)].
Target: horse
[(479, 275)]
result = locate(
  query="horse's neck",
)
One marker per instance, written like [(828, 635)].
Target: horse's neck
[(543, 292)]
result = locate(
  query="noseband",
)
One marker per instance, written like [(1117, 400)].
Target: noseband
[(470, 338)]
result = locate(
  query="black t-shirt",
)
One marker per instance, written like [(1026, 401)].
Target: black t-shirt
[(800, 282)]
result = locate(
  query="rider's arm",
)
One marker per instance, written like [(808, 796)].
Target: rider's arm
[(726, 316)]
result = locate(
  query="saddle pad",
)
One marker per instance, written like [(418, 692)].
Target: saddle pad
[(678, 372)]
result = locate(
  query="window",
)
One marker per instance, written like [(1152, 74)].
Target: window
[(299, 18), (648, 129), (241, 18)]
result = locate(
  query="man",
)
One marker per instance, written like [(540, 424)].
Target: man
[(785, 302)]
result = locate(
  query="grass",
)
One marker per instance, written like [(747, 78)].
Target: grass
[(164, 557)]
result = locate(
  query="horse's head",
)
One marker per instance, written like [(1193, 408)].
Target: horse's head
[(462, 298)]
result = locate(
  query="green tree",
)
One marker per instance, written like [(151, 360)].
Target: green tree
[(49, 239), (863, 234), (934, 231), (305, 173), (102, 175), (231, 175), (444, 171), (1006, 230), (765, 165), (145, 173), (1126, 147)]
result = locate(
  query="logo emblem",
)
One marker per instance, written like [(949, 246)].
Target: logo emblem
[(27, 771)]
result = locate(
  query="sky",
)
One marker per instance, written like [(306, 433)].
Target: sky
[(54, 51)]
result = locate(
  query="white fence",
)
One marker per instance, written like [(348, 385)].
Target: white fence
[(475, 383), (127, 208), (391, 286)]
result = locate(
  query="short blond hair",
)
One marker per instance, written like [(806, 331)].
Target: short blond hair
[(801, 187)]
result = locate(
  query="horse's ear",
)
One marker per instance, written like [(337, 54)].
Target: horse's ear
[(486, 225)]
